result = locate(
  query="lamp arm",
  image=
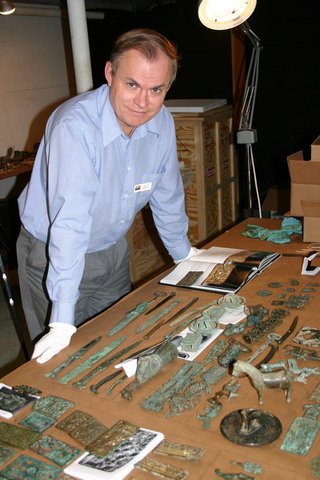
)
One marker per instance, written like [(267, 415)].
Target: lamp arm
[(251, 84), (250, 91), (254, 39)]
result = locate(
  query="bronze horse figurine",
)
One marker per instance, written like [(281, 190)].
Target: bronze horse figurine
[(278, 379)]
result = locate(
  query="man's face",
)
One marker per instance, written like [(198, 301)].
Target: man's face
[(138, 88)]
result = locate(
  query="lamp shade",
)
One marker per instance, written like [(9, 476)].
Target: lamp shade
[(224, 14), (6, 7)]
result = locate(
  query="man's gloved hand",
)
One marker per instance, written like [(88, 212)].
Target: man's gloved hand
[(53, 342), (193, 251)]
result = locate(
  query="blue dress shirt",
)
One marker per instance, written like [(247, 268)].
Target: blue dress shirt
[(88, 182)]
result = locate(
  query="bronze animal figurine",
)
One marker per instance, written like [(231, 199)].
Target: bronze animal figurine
[(277, 379)]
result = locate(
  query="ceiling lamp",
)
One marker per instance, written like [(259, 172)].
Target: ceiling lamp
[(221, 15), (6, 7)]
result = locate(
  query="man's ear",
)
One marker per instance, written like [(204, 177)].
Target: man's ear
[(108, 72)]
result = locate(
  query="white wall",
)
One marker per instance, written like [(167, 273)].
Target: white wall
[(33, 80)]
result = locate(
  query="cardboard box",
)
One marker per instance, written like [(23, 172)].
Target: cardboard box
[(315, 150), (277, 200), (305, 182), (311, 221)]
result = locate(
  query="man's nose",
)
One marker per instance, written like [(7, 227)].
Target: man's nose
[(141, 98)]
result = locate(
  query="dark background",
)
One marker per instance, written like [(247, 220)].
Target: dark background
[(288, 99)]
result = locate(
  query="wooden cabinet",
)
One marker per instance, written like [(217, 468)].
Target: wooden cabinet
[(209, 172), (206, 151)]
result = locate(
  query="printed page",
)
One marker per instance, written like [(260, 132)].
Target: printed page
[(182, 269), (214, 255)]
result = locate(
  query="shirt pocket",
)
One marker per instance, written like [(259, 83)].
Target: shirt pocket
[(144, 189)]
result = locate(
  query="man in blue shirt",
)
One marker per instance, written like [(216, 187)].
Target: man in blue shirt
[(104, 155)]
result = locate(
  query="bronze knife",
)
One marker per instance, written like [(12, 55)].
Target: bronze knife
[(288, 333)]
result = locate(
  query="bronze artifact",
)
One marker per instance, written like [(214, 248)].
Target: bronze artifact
[(91, 360), (209, 414), (112, 438), (302, 431), (133, 314), (315, 466), (55, 450), (265, 326), (232, 352), (308, 336), (251, 427), (5, 454), (115, 383), (168, 297), (301, 353), (183, 377), (157, 316), (250, 467), (281, 379), (15, 436), (173, 317), (102, 366), (178, 450), (94, 388), (82, 427), (233, 476), (37, 421), (162, 470), (150, 365), (72, 358), (24, 464), (52, 406), (288, 333), (315, 394)]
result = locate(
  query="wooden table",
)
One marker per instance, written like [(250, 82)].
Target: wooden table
[(13, 170), (187, 428)]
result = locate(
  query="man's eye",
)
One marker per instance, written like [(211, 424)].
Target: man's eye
[(131, 84), (157, 90)]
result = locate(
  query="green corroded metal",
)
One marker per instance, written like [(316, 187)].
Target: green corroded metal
[(133, 314), (182, 378), (157, 316), (72, 358), (102, 366), (91, 360)]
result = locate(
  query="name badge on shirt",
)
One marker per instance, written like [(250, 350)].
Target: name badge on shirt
[(142, 187)]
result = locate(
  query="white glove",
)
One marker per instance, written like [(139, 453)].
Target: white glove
[(53, 342), (193, 251)]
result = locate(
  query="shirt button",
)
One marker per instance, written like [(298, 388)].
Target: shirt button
[(125, 195)]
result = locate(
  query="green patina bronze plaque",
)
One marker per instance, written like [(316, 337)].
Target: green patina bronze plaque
[(17, 436), (112, 438), (5, 454), (82, 427), (28, 468), (55, 450), (300, 436), (37, 421), (52, 406)]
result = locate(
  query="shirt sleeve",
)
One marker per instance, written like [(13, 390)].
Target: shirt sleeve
[(71, 185), (168, 203)]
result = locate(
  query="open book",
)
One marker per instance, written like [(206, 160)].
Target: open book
[(220, 269)]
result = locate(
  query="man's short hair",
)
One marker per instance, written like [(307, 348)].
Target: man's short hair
[(147, 41)]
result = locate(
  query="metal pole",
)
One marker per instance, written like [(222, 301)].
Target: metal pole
[(12, 309), (80, 45)]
